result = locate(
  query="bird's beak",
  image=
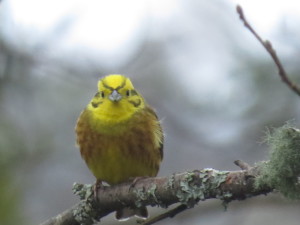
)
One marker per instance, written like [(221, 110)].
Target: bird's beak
[(115, 96)]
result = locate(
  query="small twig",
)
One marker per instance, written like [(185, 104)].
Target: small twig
[(169, 214), (268, 46), (243, 165)]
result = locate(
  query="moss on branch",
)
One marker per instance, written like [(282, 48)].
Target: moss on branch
[(280, 172), (283, 169)]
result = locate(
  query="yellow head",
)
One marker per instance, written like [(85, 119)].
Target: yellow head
[(116, 100)]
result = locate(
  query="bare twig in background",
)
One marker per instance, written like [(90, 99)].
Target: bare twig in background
[(268, 46)]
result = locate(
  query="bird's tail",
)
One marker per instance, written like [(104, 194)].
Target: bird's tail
[(126, 213)]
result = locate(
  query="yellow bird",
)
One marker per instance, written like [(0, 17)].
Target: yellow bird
[(119, 136)]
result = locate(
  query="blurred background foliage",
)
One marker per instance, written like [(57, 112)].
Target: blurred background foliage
[(214, 87)]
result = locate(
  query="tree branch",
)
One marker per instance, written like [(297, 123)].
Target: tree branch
[(187, 188), (169, 214), (268, 46), (281, 172)]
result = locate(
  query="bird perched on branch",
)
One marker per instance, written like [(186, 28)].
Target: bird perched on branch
[(120, 137)]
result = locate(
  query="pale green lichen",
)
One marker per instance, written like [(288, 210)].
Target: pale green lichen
[(194, 189), (151, 192), (171, 182), (283, 169), (218, 177), (142, 195), (84, 213), (84, 191)]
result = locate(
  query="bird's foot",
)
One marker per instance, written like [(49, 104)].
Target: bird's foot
[(96, 187), (135, 180)]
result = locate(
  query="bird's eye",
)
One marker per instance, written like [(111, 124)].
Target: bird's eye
[(102, 94), (127, 93)]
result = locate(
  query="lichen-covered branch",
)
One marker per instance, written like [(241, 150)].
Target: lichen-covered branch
[(281, 172), (187, 188)]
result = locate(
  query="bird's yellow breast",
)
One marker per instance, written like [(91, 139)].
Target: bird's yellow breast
[(134, 151)]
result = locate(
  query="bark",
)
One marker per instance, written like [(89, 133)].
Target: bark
[(187, 188)]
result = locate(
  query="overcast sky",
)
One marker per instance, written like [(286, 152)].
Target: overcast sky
[(39, 16), (110, 30)]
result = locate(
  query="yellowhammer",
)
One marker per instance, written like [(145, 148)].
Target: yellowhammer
[(119, 136)]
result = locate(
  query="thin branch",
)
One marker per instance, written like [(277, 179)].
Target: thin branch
[(64, 218), (169, 214), (268, 46)]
